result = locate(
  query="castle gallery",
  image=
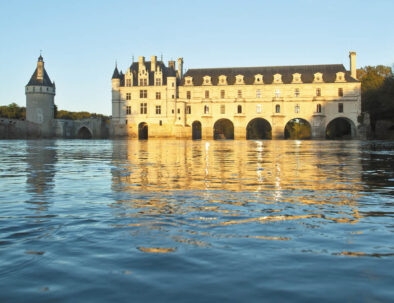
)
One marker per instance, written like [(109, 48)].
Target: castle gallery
[(152, 100)]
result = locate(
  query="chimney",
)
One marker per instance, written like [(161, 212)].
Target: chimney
[(171, 64), (153, 60), (180, 68), (353, 69), (141, 61)]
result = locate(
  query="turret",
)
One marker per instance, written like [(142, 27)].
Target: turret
[(115, 79), (40, 99)]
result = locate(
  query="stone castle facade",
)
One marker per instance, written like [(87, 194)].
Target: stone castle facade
[(152, 100)]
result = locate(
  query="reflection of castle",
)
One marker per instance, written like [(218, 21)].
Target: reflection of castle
[(268, 172), (154, 100)]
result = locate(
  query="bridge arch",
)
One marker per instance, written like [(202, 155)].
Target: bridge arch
[(298, 129), (143, 131), (341, 128), (258, 128), (196, 130), (84, 133), (223, 129)]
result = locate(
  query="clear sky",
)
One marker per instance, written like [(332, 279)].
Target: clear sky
[(81, 40)]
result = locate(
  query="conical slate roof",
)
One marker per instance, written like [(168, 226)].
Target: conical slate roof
[(44, 82), (116, 73)]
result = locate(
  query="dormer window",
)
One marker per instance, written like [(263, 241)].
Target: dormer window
[(239, 79), (340, 77), (188, 80), (222, 80), (277, 78), (296, 78), (207, 80), (318, 77), (258, 79)]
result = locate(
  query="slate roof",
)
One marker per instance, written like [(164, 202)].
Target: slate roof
[(45, 82), (167, 72), (116, 75), (307, 73)]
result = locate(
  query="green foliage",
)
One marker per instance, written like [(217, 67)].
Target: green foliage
[(13, 111), (298, 129), (377, 91), (64, 114)]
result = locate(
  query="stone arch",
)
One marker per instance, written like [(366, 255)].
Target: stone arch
[(340, 128), (196, 130), (84, 133), (223, 129), (143, 131), (258, 128), (298, 129)]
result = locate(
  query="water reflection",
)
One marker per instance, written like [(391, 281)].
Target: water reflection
[(40, 173), (199, 184)]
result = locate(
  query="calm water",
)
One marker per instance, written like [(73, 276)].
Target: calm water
[(196, 221)]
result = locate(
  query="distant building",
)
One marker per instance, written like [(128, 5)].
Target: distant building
[(154, 100), (40, 99), (40, 113)]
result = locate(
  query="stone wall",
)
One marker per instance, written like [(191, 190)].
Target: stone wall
[(18, 129)]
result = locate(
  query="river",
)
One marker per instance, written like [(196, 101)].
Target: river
[(196, 221)]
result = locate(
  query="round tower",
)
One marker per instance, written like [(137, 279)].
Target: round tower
[(40, 100)]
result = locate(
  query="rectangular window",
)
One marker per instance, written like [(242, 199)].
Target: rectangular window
[(128, 110), (258, 93), (158, 95), (222, 109), (158, 82), (239, 93), (258, 108), (145, 82), (296, 92), (206, 94), (143, 108), (128, 96), (128, 82), (297, 109), (340, 107), (277, 92), (179, 110), (143, 93), (158, 109), (188, 95), (318, 92), (277, 108), (222, 94), (340, 92), (188, 110)]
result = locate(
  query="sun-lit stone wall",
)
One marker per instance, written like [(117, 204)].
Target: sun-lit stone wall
[(178, 106)]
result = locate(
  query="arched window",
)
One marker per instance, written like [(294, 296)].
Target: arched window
[(239, 110), (206, 109), (277, 108), (297, 109), (318, 108)]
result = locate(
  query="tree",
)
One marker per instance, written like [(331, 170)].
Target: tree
[(377, 92), (13, 111)]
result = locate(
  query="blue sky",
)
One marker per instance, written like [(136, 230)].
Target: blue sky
[(81, 40)]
